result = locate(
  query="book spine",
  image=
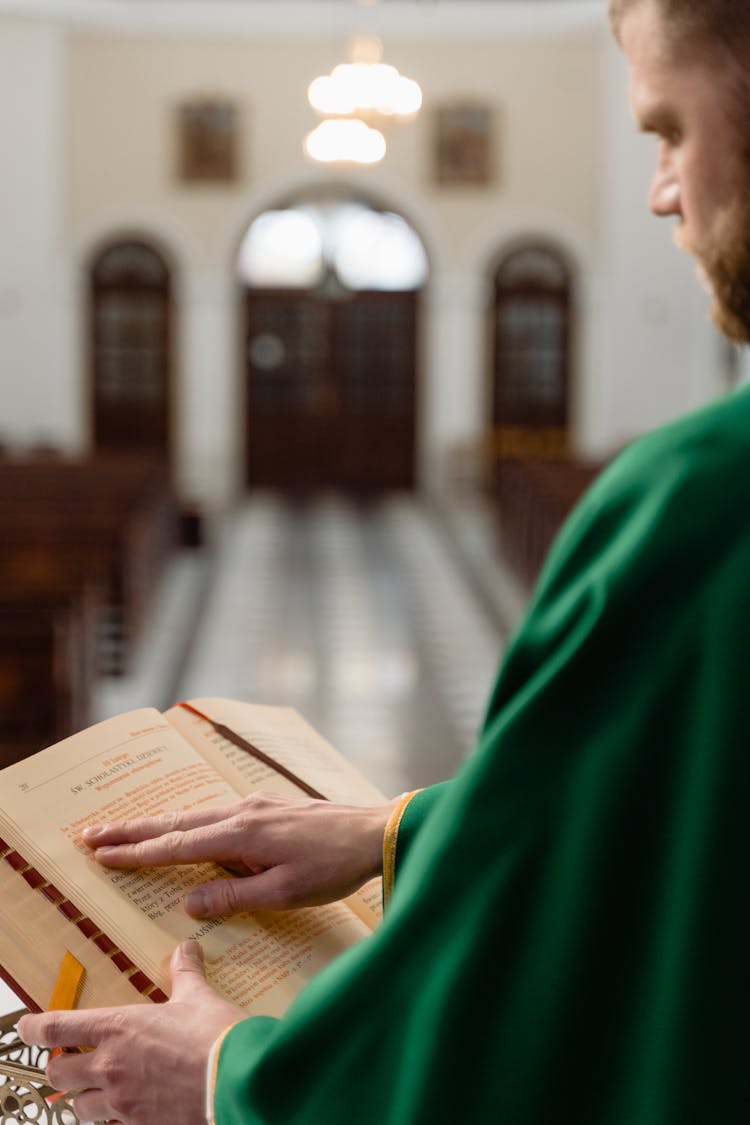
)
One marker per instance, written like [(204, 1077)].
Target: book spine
[(70, 912), (21, 993)]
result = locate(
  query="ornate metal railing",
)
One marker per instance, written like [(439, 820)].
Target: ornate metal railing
[(24, 1093)]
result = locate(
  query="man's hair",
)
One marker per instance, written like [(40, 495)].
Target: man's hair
[(696, 23)]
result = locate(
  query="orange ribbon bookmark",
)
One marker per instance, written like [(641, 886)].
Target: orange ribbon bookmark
[(68, 984), (65, 997)]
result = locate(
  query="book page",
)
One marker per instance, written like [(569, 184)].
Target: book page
[(137, 764), (282, 734), (285, 736)]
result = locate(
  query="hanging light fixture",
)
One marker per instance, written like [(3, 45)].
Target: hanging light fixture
[(357, 97), (345, 139), (365, 86)]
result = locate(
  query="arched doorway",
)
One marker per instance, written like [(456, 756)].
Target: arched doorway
[(531, 359), (130, 318), (331, 297)]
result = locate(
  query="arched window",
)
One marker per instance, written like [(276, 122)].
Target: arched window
[(130, 324), (532, 333), (300, 246)]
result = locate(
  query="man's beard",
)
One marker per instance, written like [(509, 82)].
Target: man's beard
[(724, 265)]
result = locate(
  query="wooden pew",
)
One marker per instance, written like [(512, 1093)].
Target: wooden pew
[(47, 665), (534, 498), (112, 519), (83, 545)]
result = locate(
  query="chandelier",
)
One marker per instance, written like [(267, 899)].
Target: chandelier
[(356, 99)]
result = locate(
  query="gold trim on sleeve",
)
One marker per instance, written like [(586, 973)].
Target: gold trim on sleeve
[(390, 842), (213, 1068)]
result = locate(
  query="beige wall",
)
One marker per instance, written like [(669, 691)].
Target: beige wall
[(39, 394), (123, 94)]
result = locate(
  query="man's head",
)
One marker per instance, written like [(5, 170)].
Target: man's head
[(690, 86), (697, 21)]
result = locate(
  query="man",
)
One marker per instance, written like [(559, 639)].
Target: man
[(702, 128), (567, 939)]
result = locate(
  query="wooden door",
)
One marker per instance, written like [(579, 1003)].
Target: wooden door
[(130, 328), (331, 390), (291, 393)]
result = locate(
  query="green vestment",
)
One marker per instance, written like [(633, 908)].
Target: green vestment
[(568, 939)]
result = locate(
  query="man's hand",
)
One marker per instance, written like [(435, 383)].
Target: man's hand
[(149, 1061), (284, 853)]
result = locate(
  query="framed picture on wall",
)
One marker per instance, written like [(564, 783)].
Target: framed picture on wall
[(207, 135), (464, 144)]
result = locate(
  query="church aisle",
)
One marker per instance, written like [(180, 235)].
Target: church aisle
[(358, 616)]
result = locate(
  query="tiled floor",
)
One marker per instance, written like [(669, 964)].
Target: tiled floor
[(360, 618), (382, 624)]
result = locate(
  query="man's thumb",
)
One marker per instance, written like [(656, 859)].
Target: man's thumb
[(187, 969)]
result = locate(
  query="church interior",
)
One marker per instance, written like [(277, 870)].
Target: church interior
[(293, 421)]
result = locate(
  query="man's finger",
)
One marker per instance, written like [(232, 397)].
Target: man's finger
[(268, 890), (92, 1105), (216, 841), (71, 1070), (188, 970), (66, 1029), (148, 827)]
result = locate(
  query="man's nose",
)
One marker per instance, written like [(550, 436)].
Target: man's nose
[(664, 193)]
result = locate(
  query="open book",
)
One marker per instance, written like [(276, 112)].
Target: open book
[(122, 926)]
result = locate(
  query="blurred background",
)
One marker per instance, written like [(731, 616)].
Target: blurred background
[(315, 320)]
